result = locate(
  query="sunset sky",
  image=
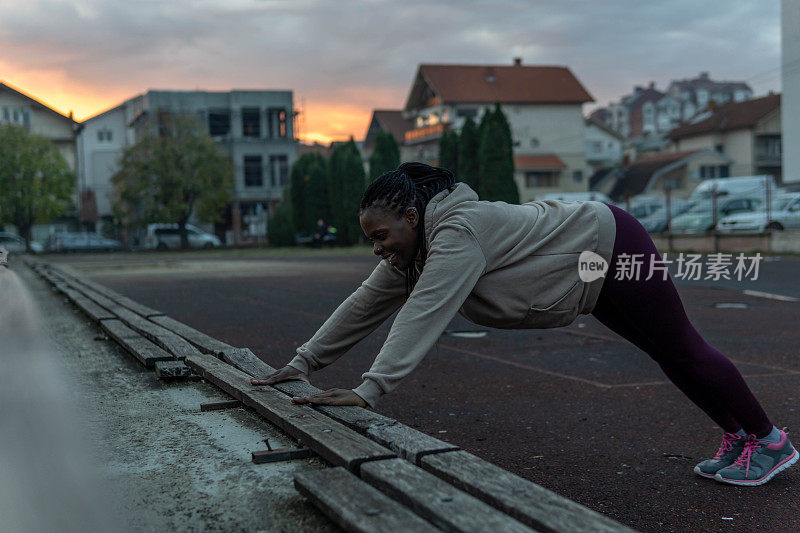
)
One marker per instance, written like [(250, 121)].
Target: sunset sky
[(344, 58)]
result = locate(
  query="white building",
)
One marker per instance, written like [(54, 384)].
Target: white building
[(603, 145), (790, 108), (254, 127), (543, 105)]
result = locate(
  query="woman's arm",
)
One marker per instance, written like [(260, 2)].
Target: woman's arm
[(454, 265), (373, 302)]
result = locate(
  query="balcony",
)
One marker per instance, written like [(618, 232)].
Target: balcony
[(426, 133)]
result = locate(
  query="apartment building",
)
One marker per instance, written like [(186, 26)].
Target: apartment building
[(254, 127)]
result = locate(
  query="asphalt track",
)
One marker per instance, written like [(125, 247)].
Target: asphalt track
[(577, 409)]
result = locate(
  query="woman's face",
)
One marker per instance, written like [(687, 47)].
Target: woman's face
[(394, 237)]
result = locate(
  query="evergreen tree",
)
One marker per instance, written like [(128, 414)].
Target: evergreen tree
[(385, 156), (297, 184), (317, 197), (496, 160), (448, 151), (469, 144), (347, 182), (281, 228)]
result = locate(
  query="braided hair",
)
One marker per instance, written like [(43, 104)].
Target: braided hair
[(411, 185)]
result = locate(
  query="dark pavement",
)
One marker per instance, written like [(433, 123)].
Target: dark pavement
[(577, 410)]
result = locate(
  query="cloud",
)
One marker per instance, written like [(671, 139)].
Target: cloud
[(363, 54)]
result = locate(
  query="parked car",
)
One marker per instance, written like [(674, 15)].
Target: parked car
[(16, 244), (577, 197), (83, 242), (167, 236), (652, 213), (784, 214), (699, 218)]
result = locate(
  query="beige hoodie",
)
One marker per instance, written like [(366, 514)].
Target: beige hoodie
[(499, 265)]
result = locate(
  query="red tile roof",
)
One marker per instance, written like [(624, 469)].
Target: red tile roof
[(730, 116), (496, 83), (393, 122), (530, 162)]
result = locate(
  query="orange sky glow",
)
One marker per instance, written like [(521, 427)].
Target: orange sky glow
[(319, 121)]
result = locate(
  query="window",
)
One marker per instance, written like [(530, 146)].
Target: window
[(279, 170), (534, 142), (597, 147), (719, 148), (276, 123), (467, 113), (577, 176), (714, 171), (251, 122), (104, 135), (219, 122), (253, 171), (541, 178)]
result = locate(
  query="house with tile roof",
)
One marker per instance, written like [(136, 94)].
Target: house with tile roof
[(747, 132), (543, 105)]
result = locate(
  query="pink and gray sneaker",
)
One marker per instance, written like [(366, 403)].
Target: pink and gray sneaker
[(759, 461), (729, 451)]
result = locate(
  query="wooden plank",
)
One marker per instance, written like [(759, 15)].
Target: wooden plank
[(440, 503), (80, 283), (330, 440), (91, 309), (163, 337), (144, 350), (281, 454), (406, 442), (218, 406), (527, 502), (356, 506), (203, 342)]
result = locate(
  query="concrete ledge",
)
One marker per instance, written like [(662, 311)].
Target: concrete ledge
[(768, 242)]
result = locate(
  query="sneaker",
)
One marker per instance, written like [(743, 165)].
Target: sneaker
[(760, 461), (730, 450)]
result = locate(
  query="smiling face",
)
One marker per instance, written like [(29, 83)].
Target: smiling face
[(394, 237)]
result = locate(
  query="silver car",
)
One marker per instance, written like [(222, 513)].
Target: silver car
[(784, 214), (16, 244), (700, 217)]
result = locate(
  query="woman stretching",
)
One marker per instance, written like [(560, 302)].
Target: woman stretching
[(516, 266)]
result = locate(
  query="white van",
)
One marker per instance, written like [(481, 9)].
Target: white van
[(753, 186), (166, 236)]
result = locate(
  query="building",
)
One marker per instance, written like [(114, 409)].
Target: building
[(747, 132), (680, 172), (254, 127), (790, 108), (603, 145), (16, 107), (646, 115), (543, 105)]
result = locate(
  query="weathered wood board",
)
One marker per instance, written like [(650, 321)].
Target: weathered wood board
[(200, 340), (90, 308), (526, 501), (435, 500), (330, 440), (144, 350), (406, 442), (355, 505)]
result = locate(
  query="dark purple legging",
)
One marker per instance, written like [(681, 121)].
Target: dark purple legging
[(649, 313)]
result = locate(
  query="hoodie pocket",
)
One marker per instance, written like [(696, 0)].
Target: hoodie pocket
[(561, 313)]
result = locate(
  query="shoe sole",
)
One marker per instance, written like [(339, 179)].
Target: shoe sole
[(792, 459), (704, 474)]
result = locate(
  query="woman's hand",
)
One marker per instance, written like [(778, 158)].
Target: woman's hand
[(286, 373), (332, 397)]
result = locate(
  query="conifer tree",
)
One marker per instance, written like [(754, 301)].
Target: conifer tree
[(347, 183), (468, 148), (496, 159), (448, 151), (385, 156)]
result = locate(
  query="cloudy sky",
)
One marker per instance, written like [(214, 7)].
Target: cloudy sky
[(343, 58)]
